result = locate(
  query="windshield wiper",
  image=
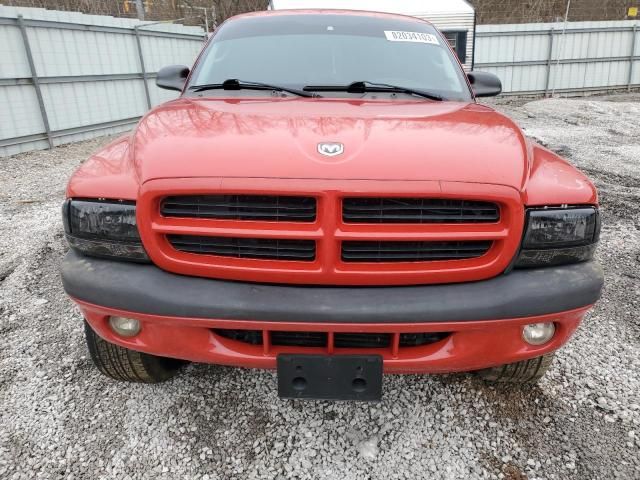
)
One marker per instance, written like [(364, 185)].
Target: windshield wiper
[(365, 86), (235, 84)]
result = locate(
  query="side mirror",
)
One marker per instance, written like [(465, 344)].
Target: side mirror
[(172, 77), (485, 84)]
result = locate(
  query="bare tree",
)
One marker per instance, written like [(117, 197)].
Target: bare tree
[(489, 11), (512, 11), (192, 11)]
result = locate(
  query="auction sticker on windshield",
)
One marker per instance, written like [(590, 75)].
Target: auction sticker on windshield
[(418, 37)]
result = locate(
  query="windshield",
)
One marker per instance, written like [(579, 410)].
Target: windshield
[(298, 51)]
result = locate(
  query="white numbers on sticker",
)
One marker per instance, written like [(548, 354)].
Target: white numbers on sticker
[(416, 37)]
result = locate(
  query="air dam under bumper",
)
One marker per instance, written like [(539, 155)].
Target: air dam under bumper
[(484, 319)]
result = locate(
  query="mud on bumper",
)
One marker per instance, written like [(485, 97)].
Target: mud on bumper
[(480, 323)]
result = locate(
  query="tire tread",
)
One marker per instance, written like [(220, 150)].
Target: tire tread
[(128, 365), (523, 372)]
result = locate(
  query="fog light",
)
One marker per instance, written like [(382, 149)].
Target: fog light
[(538, 333), (125, 327)]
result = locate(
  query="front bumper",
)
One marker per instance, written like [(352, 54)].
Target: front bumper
[(484, 319)]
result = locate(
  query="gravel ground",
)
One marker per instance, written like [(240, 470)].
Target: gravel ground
[(60, 419)]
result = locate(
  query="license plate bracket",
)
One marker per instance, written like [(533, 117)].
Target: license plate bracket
[(330, 377)]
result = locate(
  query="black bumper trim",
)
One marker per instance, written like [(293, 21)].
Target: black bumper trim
[(148, 289)]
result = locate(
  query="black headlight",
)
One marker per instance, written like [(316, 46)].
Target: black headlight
[(556, 236), (103, 229)]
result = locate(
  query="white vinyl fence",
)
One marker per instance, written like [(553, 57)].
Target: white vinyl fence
[(66, 76), (545, 58)]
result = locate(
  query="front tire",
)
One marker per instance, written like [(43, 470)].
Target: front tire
[(127, 365), (523, 372)]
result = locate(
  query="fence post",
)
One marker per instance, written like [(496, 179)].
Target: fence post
[(632, 56), (549, 61), (35, 80), (144, 71)]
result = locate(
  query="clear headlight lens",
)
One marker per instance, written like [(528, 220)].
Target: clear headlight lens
[(103, 229), (557, 236)]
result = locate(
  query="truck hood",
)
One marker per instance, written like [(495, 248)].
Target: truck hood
[(279, 138)]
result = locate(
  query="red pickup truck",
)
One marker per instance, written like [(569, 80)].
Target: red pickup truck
[(327, 198)]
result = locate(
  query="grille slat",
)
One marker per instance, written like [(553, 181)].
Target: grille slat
[(362, 340), (254, 215), (426, 247), (256, 248), (241, 207), (382, 251), (417, 210), (364, 218), (293, 339)]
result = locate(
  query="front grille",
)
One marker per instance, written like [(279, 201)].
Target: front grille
[(241, 207), (256, 248), (381, 251), (341, 340), (418, 210), (325, 239)]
